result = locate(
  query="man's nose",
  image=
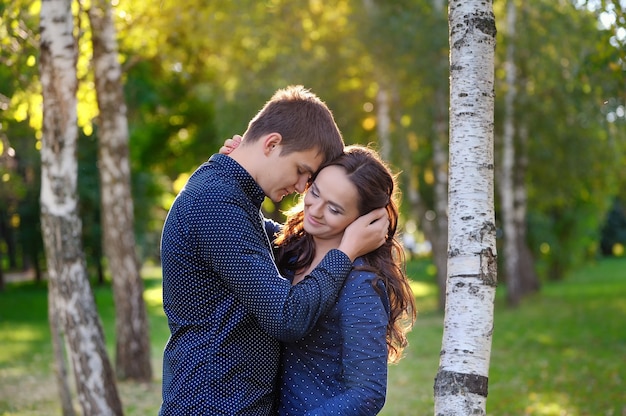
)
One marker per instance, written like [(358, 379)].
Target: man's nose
[(301, 185)]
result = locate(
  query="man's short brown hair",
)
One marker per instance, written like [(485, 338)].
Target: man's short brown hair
[(302, 119)]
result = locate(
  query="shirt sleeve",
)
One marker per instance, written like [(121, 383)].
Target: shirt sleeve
[(364, 358), (236, 245), (272, 228)]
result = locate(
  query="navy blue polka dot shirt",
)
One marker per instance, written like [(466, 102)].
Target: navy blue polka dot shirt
[(227, 305), (340, 367)]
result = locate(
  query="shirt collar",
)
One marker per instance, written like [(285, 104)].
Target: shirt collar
[(241, 176)]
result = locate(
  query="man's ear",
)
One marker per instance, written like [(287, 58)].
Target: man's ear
[(270, 143)]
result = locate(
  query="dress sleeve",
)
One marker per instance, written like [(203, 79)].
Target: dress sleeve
[(237, 247), (364, 354)]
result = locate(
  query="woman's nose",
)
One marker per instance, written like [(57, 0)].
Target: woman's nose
[(315, 209)]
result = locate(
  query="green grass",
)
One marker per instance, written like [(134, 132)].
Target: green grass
[(561, 353)]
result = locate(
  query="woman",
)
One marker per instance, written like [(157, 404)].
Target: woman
[(340, 367)]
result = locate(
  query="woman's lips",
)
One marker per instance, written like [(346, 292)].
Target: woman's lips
[(313, 221)]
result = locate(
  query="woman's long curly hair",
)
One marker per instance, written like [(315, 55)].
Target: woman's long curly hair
[(376, 186)]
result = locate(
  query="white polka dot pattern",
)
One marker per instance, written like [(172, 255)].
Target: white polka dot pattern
[(226, 304), (340, 368)]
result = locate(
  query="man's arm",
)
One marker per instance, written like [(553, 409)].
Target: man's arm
[(239, 252)]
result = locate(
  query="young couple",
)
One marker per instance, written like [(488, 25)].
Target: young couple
[(328, 287)]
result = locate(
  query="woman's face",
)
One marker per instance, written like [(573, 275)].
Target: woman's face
[(330, 204)]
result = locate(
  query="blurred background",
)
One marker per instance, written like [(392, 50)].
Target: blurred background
[(195, 72)]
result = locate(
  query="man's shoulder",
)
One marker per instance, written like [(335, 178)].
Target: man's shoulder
[(213, 180)]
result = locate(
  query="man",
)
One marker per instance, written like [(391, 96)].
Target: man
[(226, 304)]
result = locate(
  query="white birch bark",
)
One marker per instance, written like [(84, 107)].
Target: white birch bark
[(529, 281), (61, 226), (462, 378), (507, 187), (132, 337), (440, 165)]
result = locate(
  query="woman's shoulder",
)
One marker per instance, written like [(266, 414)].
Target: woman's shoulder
[(362, 277), (361, 271)]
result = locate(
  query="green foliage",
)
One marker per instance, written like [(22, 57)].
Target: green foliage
[(197, 72), (574, 152), (613, 237), (549, 356), (89, 199)]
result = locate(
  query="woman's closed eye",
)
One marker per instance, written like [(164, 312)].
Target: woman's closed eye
[(334, 210)]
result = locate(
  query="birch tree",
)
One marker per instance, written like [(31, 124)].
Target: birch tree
[(511, 258), (131, 323), (440, 166), (462, 378), (73, 312), (520, 276)]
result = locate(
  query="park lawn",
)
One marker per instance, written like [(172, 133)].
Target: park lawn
[(562, 352)]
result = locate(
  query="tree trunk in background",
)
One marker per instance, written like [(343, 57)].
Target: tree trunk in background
[(507, 188), (73, 302), (131, 323), (462, 379), (529, 281), (60, 362), (520, 276), (439, 238)]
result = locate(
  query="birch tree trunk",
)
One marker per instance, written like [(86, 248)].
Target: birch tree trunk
[(529, 281), (439, 238), (131, 323), (73, 301), (461, 382), (521, 278), (507, 188)]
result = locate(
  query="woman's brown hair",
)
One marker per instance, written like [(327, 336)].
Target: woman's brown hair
[(376, 187)]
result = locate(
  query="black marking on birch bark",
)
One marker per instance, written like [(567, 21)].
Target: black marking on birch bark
[(484, 22), (489, 267), (452, 383), (487, 24)]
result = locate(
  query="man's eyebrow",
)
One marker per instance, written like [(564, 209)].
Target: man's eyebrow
[(307, 168)]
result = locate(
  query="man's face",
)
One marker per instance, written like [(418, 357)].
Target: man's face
[(290, 173)]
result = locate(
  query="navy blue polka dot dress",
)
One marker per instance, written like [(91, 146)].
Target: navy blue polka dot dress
[(340, 367), (226, 304)]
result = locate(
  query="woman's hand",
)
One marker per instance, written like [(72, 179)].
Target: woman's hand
[(231, 144)]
